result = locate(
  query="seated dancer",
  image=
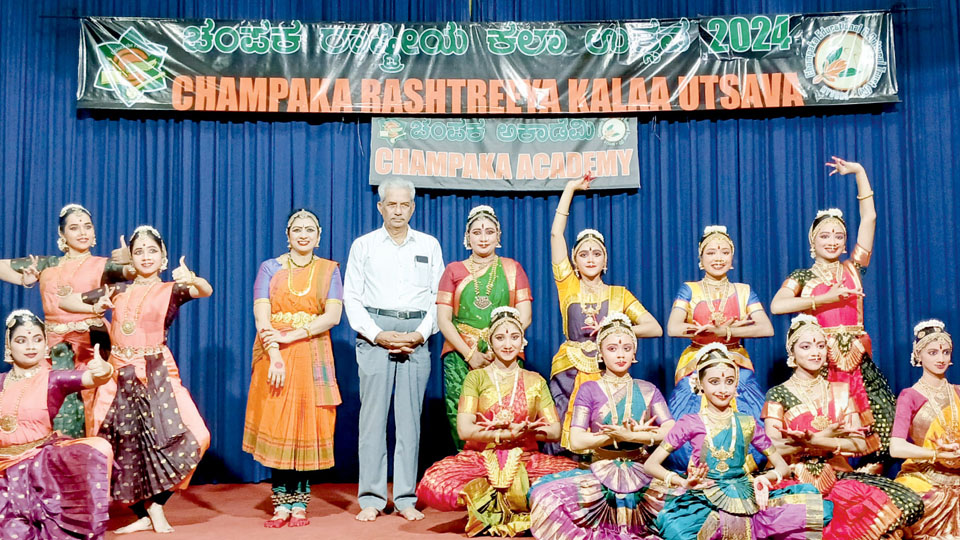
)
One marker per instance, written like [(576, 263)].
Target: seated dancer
[(469, 292), (297, 300), (714, 310), (144, 412), (927, 434), (70, 336), (584, 301), (722, 500), (815, 425), (832, 291), (53, 488), (618, 419), (504, 411)]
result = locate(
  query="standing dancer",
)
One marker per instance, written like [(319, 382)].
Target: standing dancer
[(389, 294), (70, 335), (927, 434), (297, 300), (156, 432), (832, 291), (469, 292), (714, 310), (584, 301)]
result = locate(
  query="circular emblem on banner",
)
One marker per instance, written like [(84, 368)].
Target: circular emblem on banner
[(844, 60), (613, 130)]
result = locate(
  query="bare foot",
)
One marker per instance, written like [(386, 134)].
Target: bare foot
[(279, 519), (411, 514), (368, 514), (142, 524), (160, 523), (299, 518)]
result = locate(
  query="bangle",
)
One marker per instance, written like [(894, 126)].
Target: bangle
[(934, 460), (864, 197), (25, 286), (496, 437), (729, 333), (813, 303), (563, 213), (779, 477), (838, 450), (273, 346), (668, 479)]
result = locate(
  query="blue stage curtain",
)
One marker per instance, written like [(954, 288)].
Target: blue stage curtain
[(219, 189)]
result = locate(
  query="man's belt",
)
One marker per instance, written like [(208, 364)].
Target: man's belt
[(394, 314)]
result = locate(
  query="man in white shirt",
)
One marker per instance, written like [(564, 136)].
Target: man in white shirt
[(389, 294)]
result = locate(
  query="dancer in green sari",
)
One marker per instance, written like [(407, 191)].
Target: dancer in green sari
[(469, 292)]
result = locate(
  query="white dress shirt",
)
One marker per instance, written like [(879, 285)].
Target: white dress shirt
[(385, 275)]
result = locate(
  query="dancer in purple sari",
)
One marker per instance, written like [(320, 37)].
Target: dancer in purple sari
[(617, 419)]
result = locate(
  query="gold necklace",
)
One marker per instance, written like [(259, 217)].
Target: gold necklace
[(951, 398), (821, 420), (829, 273), (482, 301), (590, 300), (607, 379), (10, 422), (64, 289), (290, 288), (129, 326), (717, 316), (304, 265), (504, 415), (710, 420)]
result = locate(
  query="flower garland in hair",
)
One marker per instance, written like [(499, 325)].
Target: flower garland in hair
[(476, 213), (822, 218), (722, 356), (926, 332), (616, 322), (798, 323), (504, 314)]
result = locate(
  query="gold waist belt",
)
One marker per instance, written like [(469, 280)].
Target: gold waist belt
[(296, 320), (17, 449), (75, 326), (478, 334), (856, 329), (129, 353)]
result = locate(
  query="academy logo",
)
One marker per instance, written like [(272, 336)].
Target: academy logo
[(844, 61), (131, 67)]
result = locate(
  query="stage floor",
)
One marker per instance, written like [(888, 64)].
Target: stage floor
[(237, 511)]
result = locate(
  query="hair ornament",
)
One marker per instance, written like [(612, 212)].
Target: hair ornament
[(477, 212)]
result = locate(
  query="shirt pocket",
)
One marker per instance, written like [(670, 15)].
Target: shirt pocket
[(421, 271)]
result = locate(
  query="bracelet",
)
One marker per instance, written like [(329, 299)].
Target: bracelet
[(496, 437), (864, 197), (813, 302), (668, 479), (838, 451), (273, 346), (779, 477), (563, 213), (24, 285), (729, 333), (934, 460)]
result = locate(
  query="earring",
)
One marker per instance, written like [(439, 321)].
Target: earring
[(62, 243), (576, 272), (791, 361), (163, 264), (813, 253), (7, 357), (700, 264), (93, 243)]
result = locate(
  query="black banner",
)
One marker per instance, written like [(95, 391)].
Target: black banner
[(512, 68)]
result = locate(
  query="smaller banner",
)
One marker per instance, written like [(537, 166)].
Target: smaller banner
[(522, 154)]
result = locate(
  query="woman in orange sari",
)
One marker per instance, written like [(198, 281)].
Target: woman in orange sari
[(144, 412), (53, 487), (292, 404), (70, 336)]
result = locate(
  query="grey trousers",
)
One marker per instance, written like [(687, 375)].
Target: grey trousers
[(380, 378)]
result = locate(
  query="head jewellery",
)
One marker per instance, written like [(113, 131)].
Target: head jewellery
[(714, 231), (798, 325), (64, 213), (477, 212), (616, 323), (710, 355), (585, 235), (506, 314), (303, 213), (148, 229), (15, 316), (824, 217), (926, 332), (73, 207)]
